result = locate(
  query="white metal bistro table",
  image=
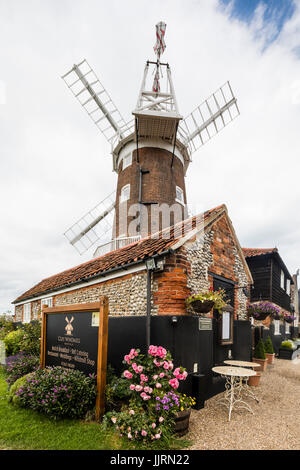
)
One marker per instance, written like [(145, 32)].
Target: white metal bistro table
[(244, 380), (232, 397)]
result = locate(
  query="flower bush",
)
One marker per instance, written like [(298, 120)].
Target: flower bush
[(217, 296), (172, 402), (58, 392), (288, 344), (152, 380), (136, 423), (19, 365), (151, 373)]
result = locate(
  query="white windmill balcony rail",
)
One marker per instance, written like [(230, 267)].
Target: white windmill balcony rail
[(115, 245)]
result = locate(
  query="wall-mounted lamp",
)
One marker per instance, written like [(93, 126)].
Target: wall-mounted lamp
[(174, 320)]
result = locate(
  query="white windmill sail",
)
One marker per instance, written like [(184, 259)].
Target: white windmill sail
[(208, 118), (93, 226), (91, 94)]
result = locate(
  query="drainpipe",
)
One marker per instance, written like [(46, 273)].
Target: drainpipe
[(150, 265)]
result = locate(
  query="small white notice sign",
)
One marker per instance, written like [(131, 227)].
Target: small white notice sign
[(226, 325), (95, 319)]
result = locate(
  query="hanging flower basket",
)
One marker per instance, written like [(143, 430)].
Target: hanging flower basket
[(261, 310), (200, 306), (289, 318), (203, 302)]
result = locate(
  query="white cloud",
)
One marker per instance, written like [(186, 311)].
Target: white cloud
[(55, 164)]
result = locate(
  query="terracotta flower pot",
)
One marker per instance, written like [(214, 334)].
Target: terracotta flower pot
[(202, 307), (253, 380), (182, 421), (263, 364), (270, 357)]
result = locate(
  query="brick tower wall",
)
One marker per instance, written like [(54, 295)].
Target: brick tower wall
[(158, 185)]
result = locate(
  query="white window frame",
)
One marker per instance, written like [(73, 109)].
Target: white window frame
[(287, 328), (27, 312), (127, 160), (181, 199), (288, 287), (47, 301), (277, 327), (282, 279), (123, 196)]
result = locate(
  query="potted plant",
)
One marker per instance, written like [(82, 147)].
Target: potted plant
[(253, 380), (269, 350), (260, 355), (204, 301), (286, 349)]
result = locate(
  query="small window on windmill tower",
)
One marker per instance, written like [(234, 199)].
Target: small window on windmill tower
[(127, 160), (125, 193), (179, 195)]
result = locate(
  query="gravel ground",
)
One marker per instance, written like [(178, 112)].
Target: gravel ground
[(274, 425)]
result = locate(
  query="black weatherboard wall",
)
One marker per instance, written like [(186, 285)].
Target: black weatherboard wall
[(190, 346)]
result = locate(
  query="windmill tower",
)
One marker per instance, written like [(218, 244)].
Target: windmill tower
[(151, 153)]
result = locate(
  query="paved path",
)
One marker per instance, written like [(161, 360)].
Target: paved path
[(274, 425)]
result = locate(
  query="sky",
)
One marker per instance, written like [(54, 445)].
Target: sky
[(55, 164)]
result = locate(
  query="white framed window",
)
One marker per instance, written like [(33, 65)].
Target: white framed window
[(127, 160), (48, 301), (125, 193), (27, 313), (287, 328), (282, 279), (288, 287), (276, 327), (179, 195)]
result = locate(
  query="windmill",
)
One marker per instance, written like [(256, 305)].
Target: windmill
[(150, 153)]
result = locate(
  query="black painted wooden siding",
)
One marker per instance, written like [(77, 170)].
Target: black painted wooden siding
[(279, 295), (266, 271), (260, 267)]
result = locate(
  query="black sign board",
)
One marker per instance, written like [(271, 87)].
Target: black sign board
[(75, 337), (72, 341)]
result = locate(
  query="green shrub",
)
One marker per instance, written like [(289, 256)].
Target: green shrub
[(269, 346), (259, 352), (13, 397), (59, 393), (12, 341), (287, 344), (30, 342), (20, 365), (6, 326)]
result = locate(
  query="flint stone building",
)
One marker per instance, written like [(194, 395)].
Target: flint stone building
[(200, 257)]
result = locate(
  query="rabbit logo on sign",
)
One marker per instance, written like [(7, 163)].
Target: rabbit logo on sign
[(69, 328)]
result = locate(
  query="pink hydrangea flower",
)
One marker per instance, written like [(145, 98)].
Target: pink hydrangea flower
[(131, 412), (161, 375), (139, 369), (144, 433), (157, 436), (144, 378), (158, 385), (138, 388), (132, 387), (160, 419), (153, 425)]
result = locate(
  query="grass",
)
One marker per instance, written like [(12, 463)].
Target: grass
[(22, 429)]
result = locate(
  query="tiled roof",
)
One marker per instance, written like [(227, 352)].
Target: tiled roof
[(249, 252), (138, 251)]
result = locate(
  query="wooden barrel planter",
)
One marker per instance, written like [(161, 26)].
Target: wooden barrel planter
[(182, 421), (202, 307)]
